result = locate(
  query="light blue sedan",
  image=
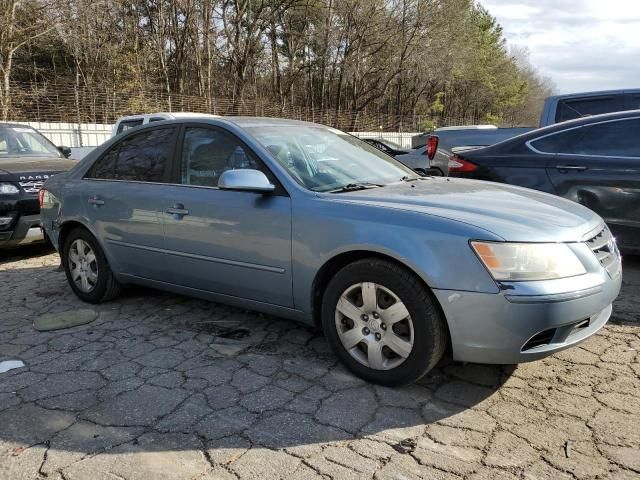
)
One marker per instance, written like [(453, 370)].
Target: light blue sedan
[(306, 222)]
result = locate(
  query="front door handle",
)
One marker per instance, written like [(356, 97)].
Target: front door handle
[(178, 211), (575, 168), (96, 201)]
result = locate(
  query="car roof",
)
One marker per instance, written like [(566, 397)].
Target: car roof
[(243, 122), (16, 125), (466, 127), (595, 93), (557, 127), (577, 122), (167, 115), (240, 121)]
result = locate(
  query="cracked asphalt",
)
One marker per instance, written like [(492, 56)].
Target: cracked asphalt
[(162, 386)]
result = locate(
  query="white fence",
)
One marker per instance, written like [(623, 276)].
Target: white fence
[(74, 134), (82, 138), (401, 138)]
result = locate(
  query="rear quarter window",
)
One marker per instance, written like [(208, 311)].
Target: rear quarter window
[(560, 142), (128, 125), (143, 157)]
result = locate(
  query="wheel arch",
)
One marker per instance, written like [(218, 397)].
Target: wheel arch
[(68, 226), (339, 261)]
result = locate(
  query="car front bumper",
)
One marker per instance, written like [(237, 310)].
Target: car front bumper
[(26, 230), (508, 327)]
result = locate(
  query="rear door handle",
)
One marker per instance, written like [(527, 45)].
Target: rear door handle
[(178, 211), (576, 168), (96, 201)]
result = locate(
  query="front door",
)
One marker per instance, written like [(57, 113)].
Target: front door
[(602, 172), (123, 195), (227, 242)]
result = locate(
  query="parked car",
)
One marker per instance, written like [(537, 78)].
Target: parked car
[(387, 146), (470, 136), (27, 159), (305, 222), (132, 121), (594, 161), (466, 135), (423, 160), (560, 108)]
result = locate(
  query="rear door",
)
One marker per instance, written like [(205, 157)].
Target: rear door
[(123, 194), (228, 242), (601, 170)]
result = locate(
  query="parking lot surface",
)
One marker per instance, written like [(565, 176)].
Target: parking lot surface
[(163, 386)]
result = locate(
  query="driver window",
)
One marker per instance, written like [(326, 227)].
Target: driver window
[(30, 144), (208, 153)]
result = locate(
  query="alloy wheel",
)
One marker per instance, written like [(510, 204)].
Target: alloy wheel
[(374, 326), (83, 265)]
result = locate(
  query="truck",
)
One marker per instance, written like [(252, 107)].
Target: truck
[(556, 109), (559, 108)]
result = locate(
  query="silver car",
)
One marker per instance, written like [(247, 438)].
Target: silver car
[(308, 223)]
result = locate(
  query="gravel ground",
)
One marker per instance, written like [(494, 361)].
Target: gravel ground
[(162, 386)]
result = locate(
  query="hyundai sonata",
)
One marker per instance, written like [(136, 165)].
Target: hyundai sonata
[(306, 222)]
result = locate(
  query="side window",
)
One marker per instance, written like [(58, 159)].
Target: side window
[(208, 153), (580, 107), (142, 157), (128, 124), (105, 167), (561, 142), (615, 139), (30, 144)]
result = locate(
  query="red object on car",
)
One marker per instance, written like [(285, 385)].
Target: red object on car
[(457, 164), (432, 146)]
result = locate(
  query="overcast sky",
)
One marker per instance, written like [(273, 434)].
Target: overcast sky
[(581, 44)]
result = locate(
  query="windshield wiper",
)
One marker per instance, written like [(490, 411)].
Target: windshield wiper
[(352, 187), (407, 178)]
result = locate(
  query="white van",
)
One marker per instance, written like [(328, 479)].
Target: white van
[(131, 121)]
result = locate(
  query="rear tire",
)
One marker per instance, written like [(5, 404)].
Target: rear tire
[(393, 332), (87, 269)]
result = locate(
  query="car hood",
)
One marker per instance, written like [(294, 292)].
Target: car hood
[(18, 167), (512, 213)]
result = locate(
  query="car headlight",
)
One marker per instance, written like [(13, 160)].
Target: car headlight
[(8, 189), (528, 261)]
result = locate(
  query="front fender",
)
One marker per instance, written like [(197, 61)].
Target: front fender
[(435, 248)]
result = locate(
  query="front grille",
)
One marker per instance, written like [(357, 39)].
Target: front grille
[(32, 186), (542, 338), (604, 248)]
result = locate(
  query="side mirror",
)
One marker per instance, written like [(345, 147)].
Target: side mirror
[(245, 180), (66, 151)]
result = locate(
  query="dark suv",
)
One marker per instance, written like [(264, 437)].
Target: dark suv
[(27, 159), (594, 161)]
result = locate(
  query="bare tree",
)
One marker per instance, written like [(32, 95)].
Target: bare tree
[(20, 23)]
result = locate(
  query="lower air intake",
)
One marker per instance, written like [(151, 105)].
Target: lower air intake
[(542, 338)]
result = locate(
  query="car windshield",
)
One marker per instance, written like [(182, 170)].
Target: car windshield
[(324, 159), (24, 142)]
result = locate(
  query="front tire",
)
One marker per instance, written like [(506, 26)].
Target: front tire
[(87, 269), (382, 322)]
